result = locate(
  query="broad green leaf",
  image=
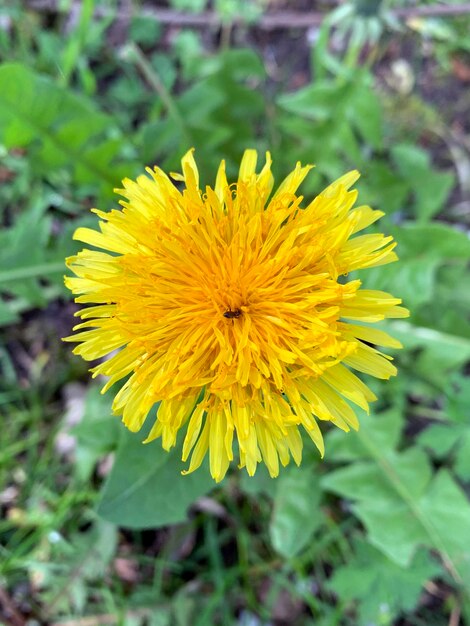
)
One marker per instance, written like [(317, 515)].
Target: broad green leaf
[(243, 64), (412, 279), (146, 489), (296, 513), (458, 399), (32, 279), (144, 31), (382, 188), (462, 458), (384, 430), (432, 240), (380, 588), (402, 506), (440, 438)]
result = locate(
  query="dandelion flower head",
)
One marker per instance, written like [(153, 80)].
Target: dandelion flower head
[(229, 307)]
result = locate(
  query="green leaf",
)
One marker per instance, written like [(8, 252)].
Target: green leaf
[(32, 279), (365, 113), (146, 489), (317, 101), (60, 128), (402, 506), (243, 64), (441, 352), (68, 576), (296, 513), (440, 438), (422, 251), (98, 433), (451, 439), (432, 240), (450, 312), (260, 483), (144, 31), (462, 457), (412, 279), (380, 588), (429, 186), (382, 188), (384, 431)]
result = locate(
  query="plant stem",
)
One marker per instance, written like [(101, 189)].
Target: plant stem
[(133, 53)]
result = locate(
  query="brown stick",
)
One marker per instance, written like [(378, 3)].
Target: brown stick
[(104, 619), (268, 21), (455, 616), (433, 10)]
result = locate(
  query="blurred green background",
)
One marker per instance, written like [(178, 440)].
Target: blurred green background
[(97, 529)]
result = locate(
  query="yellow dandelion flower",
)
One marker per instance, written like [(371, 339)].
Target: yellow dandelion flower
[(228, 306)]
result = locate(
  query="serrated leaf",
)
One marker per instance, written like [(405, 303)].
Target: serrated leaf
[(430, 187), (439, 438), (380, 588), (402, 507)]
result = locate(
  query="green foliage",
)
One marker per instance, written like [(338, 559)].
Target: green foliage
[(429, 275), (146, 489), (429, 188), (73, 566), (97, 433), (354, 540), (333, 119), (397, 498), (60, 130), (449, 37), (296, 513), (381, 588), (451, 439), (218, 114), (21, 273)]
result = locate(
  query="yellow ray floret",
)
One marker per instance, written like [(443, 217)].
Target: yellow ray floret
[(228, 306)]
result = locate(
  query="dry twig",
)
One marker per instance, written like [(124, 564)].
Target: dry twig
[(268, 21)]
